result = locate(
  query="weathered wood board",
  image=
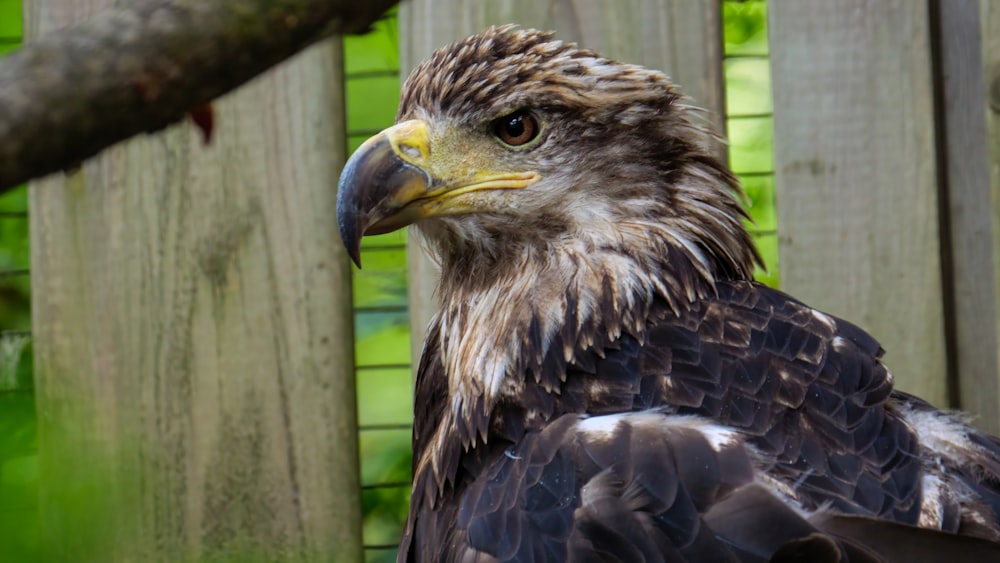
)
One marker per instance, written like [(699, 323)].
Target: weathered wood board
[(193, 333)]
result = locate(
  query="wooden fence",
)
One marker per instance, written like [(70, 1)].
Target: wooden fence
[(192, 333), (192, 322)]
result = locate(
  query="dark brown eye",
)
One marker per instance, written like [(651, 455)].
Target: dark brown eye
[(516, 129)]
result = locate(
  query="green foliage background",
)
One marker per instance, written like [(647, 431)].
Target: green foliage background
[(381, 325), (18, 459)]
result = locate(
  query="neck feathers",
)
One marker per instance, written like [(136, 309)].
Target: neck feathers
[(531, 318)]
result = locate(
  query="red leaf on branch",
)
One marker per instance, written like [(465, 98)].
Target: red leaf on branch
[(203, 117)]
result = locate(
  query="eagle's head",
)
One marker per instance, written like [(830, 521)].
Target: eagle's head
[(560, 192), (511, 144)]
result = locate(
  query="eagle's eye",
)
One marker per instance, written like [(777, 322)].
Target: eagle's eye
[(517, 129)]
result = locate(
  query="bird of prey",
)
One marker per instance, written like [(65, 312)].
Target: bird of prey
[(604, 380)]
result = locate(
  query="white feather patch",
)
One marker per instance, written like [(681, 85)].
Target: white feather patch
[(717, 435), (822, 317), (931, 510), (601, 427), (943, 435)]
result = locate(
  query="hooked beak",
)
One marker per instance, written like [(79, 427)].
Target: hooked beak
[(390, 182)]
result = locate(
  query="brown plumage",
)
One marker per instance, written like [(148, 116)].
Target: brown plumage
[(604, 380)]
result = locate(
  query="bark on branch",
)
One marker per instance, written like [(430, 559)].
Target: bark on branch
[(141, 67)]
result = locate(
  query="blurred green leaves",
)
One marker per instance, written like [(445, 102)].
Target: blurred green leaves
[(10, 25), (744, 27), (18, 450), (19, 531), (15, 259), (749, 124)]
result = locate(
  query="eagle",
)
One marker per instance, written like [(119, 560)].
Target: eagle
[(604, 380)]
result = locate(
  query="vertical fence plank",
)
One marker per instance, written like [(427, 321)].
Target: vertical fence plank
[(856, 176), (681, 37), (990, 41), (989, 21), (990, 33), (970, 261), (193, 341)]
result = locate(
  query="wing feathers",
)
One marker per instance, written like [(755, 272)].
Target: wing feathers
[(900, 542), (623, 486), (755, 522), (652, 486)]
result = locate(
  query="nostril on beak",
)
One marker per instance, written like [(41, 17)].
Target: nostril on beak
[(410, 151)]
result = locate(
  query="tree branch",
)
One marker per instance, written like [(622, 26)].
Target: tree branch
[(141, 67)]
